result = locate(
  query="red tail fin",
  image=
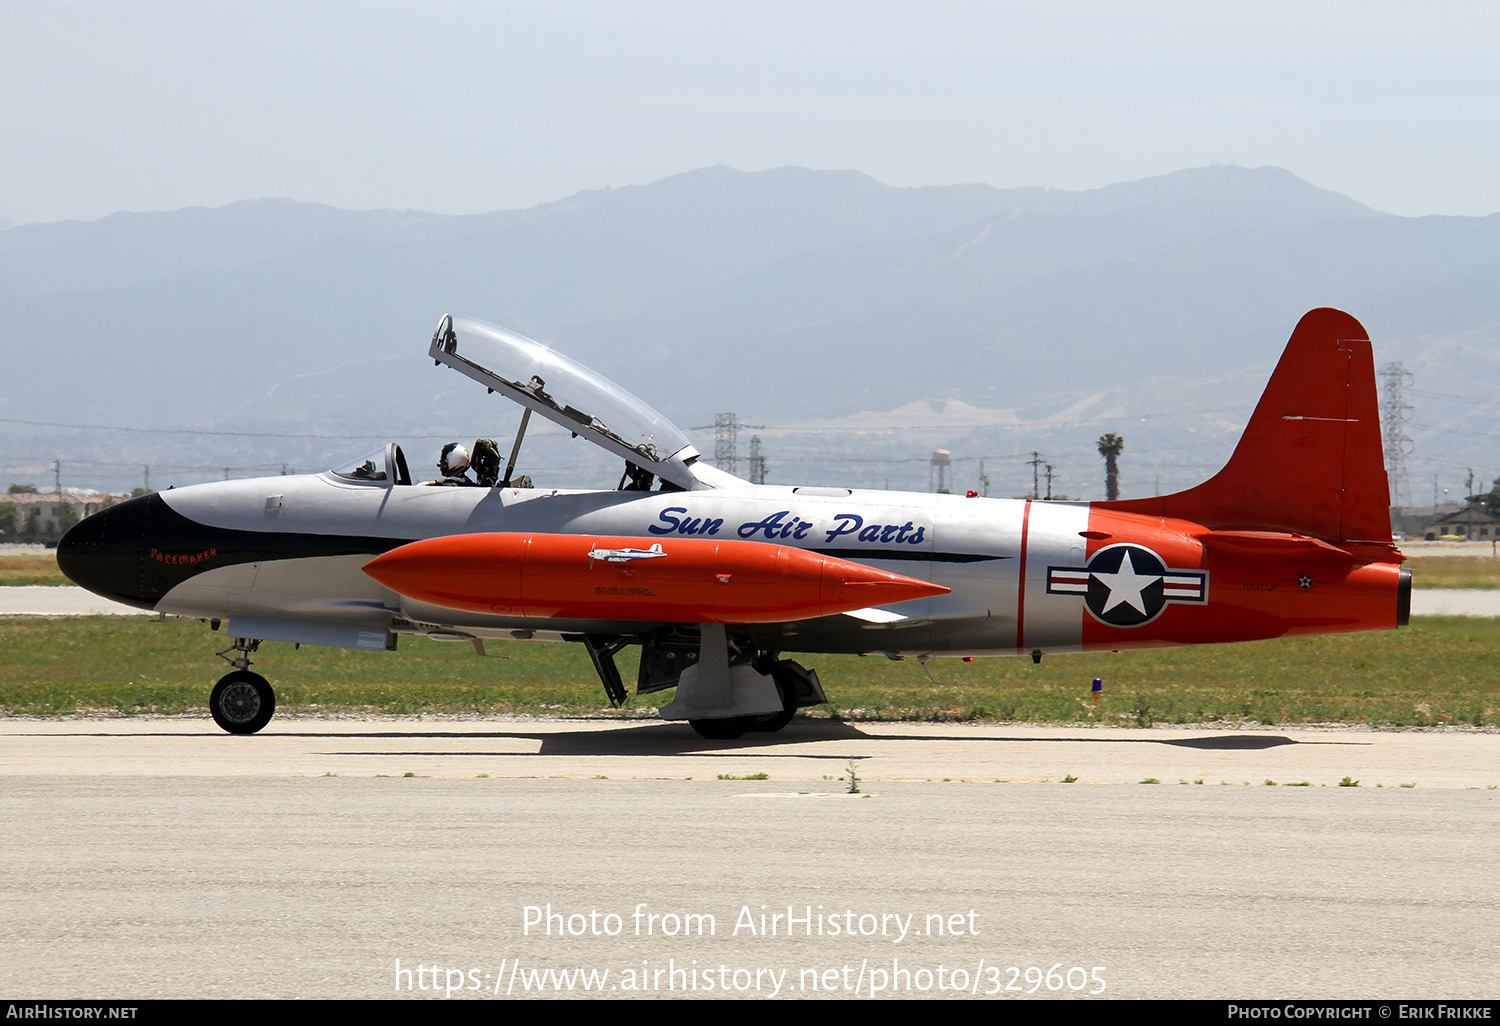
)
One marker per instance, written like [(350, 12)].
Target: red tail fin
[(1310, 460)]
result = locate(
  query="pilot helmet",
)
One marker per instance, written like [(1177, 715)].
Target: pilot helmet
[(454, 460)]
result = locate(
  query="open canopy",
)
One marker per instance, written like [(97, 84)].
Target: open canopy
[(567, 393)]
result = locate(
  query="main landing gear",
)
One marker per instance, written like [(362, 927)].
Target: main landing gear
[(242, 702), (732, 727), (726, 687)]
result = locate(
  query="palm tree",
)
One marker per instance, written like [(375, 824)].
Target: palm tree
[(1110, 446)]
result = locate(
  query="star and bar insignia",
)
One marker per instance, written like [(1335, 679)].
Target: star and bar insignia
[(1127, 585)]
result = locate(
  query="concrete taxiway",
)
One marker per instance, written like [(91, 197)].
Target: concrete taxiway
[(809, 754), (348, 858)]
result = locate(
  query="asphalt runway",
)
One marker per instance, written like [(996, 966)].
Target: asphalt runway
[(158, 857)]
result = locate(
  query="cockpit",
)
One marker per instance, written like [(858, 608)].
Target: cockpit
[(386, 465), (542, 381), (586, 404)]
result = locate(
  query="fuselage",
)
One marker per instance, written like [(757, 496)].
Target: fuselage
[(281, 558)]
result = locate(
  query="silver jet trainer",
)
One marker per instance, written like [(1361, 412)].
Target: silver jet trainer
[(716, 578)]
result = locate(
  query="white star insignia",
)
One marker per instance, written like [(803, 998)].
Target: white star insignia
[(1125, 586)]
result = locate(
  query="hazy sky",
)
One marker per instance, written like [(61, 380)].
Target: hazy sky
[(465, 107)]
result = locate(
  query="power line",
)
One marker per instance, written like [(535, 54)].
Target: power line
[(232, 434), (189, 431), (1026, 425), (757, 462), (726, 440), (1455, 431), (1442, 395), (1395, 411)]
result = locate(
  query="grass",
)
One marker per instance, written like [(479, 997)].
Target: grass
[(1454, 571), (30, 568), (1440, 670), (127, 664)]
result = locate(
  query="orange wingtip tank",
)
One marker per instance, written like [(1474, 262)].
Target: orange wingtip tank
[(675, 580)]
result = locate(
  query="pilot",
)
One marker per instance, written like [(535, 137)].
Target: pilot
[(636, 479), (486, 462), (454, 462)]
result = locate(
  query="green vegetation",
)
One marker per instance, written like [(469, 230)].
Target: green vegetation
[(25, 523), (28, 568), (1441, 670), (1110, 447), (1454, 571)]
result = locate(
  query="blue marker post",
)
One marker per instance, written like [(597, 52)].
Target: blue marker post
[(1097, 689)]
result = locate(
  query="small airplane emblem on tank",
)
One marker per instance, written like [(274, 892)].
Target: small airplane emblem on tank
[(625, 555)]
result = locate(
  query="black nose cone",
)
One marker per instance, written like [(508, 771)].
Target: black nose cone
[(109, 553)]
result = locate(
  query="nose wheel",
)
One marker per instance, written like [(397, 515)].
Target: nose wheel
[(242, 702)]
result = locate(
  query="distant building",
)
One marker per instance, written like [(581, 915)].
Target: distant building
[(44, 516), (1412, 521), (1471, 522)]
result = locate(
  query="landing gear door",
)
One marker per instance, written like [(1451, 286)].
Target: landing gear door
[(568, 394)]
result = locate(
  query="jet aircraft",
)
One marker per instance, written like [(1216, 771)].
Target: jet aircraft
[(717, 579)]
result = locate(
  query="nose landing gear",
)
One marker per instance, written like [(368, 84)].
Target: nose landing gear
[(242, 702)]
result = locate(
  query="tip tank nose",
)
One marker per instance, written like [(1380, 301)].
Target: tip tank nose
[(846, 586)]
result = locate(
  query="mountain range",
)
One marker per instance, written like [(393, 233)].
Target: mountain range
[(820, 304)]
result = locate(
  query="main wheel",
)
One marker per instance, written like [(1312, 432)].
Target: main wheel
[(242, 702), (770, 723), (726, 729)]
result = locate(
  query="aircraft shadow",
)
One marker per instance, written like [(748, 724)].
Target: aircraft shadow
[(669, 739)]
